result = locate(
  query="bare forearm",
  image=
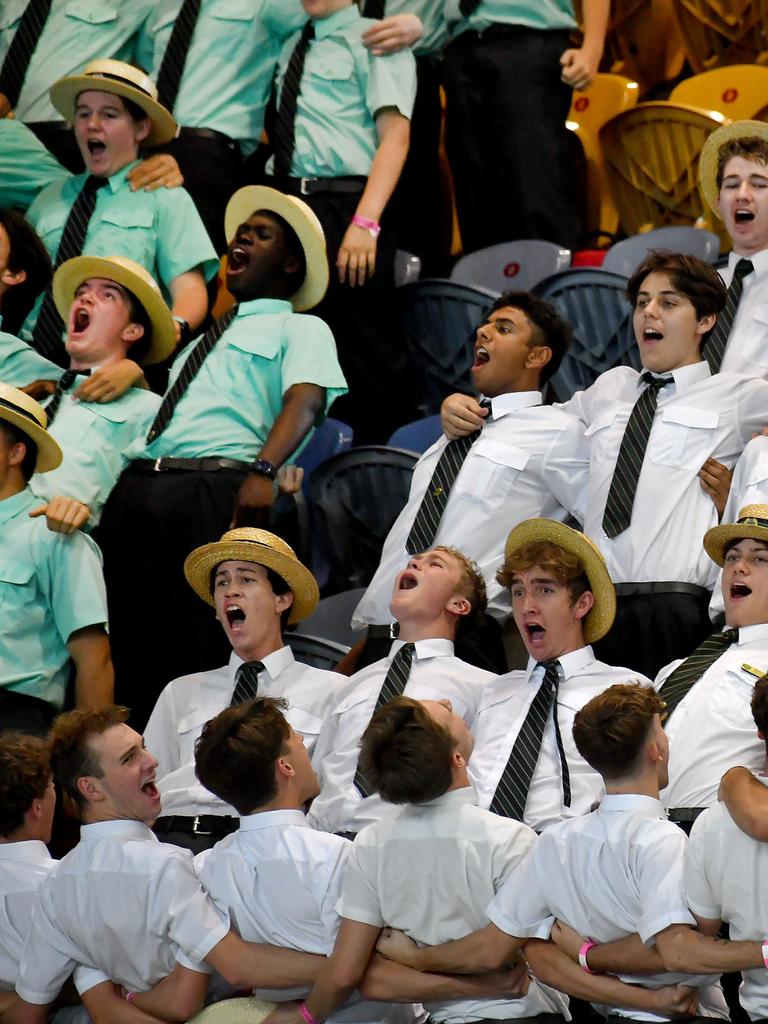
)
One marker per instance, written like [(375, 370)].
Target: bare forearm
[(253, 965), (625, 956), (177, 997), (94, 674), (302, 405), (189, 297), (388, 982), (595, 17), (686, 950), (486, 950), (394, 132), (747, 802)]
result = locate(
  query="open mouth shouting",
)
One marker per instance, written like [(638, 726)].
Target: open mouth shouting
[(535, 635), (651, 335), (408, 580), (150, 789), (237, 259), (80, 320), (482, 356), (743, 216), (235, 616), (739, 590)]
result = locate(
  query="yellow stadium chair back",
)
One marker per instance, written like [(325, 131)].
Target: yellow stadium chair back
[(718, 32), (737, 90)]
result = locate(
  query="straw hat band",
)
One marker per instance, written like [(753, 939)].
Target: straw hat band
[(123, 81), (20, 412)]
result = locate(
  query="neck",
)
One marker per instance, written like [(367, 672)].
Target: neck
[(646, 784), (14, 484), (83, 363), (576, 645), (261, 649), (436, 629), (460, 779), (23, 834), (288, 800)]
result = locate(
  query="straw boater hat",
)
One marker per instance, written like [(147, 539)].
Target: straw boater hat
[(123, 80), (235, 1011), (130, 275), (599, 618), (247, 544), (26, 415), (711, 151), (752, 523), (246, 201)]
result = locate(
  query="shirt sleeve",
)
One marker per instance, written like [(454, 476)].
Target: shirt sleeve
[(86, 978), (26, 166), (160, 735), (520, 906), (360, 899), (48, 957), (698, 887), (752, 399), (182, 241), (309, 357), (75, 583), (195, 924), (566, 467), (661, 891), (391, 83)]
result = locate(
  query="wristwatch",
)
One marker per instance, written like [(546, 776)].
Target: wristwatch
[(264, 468), (185, 329)]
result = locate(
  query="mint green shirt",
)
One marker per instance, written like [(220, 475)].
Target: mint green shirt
[(26, 166), (76, 32), (50, 586), (20, 364), (342, 89), (161, 230), (539, 14), (229, 69), (229, 408), (432, 15)]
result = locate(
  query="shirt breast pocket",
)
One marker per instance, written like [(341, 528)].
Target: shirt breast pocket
[(246, 356), (15, 578), (90, 13), (127, 228), (604, 438), (488, 475), (732, 698), (189, 728), (84, 418), (759, 353), (683, 438), (232, 10)]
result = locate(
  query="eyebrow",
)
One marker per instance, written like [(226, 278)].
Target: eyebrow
[(752, 174), (666, 291)]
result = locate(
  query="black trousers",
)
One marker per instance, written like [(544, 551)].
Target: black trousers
[(159, 627), (59, 140), (651, 630), (20, 712), (512, 158)]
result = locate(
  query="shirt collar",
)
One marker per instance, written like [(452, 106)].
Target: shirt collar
[(275, 663), (570, 664), (27, 849), (759, 261), (123, 828), (16, 504), (685, 376), (117, 180), (514, 400), (637, 803), (336, 22), (748, 634), (273, 819), (435, 648), (253, 306), (465, 795)]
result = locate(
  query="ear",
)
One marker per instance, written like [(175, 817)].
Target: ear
[(89, 788), (13, 277), (706, 323), (143, 128), (283, 601), (35, 811), (132, 334), (583, 604), (292, 264), (538, 357), (17, 453), (459, 605), (283, 768), (458, 759)]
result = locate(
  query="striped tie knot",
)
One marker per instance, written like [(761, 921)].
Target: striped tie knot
[(681, 680), (246, 682)]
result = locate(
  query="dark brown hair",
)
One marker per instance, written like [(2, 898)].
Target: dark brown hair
[(750, 148), (699, 282), (611, 730), (25, 771), (760, 707), (549, 328), (71, 754), (564, 566)]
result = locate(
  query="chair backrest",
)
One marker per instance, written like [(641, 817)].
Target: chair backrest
[(417, 436), (652, 160), (315, 651), (624, 256), (407, 267), (737, 91), (331, 619), (509, 266), (356, 497), (717, 32), (593, 302), (439, 319), (606, 97), (330, 438), (642, 42)]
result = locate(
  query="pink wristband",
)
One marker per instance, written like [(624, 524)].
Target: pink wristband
[(583, 956), (130, 996), (307, 1015), (371, 226), (764, 950)]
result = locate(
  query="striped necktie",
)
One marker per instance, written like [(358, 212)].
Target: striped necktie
[(65, 382), (679, 682), (374, 9), (188, 372), (393, 686), (429, 513), (246, 682), (511, 794), (285, 122), (23, 44), (47, 335), (468, 7), (621, 495), (714, 347), (175, 56)]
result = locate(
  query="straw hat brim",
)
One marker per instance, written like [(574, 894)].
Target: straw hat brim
[(64, 95), (71, 275), (599, 618), (246, 201), (711, 149), (249, 1010), (49, 453), (720, 537), (199, 565)]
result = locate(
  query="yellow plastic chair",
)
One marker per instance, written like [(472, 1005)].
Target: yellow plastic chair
[(590, 110), (719, 32), (737, 90), (651, 156)]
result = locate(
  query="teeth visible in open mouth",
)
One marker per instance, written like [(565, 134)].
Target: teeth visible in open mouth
[(651, 335), (534, 629), (744, 215), (238, 257), (234, 614), (150, 788), (95, 146), (481, 354), (740, 590)]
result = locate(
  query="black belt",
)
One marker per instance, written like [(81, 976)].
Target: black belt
[(347, 835), (167, 462), (684, 814), (199, 825), (539, 1018), (499, 30), (49, 126), (663, 587), (386, 631), (616, 1018), (308, 186), (206, 133)]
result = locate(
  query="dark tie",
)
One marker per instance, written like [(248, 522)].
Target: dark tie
[(65, 382), (374, 9), (47, 335), (21, 49), (393, 686), (468, 7), (678, 683), (246, 682), (511, 794), (175, 56), (285, 122), (621, 495), (714, 347), (188, 372), (429, 513)]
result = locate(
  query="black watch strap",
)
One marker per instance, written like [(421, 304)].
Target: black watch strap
[(264, 467)]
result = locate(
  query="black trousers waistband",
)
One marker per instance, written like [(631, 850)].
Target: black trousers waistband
[(500, 30), (684, 814), (169, 463), (350, 183), (199, 825), (186, 132), (661, 587)]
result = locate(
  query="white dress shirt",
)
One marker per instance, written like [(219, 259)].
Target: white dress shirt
[(726, 878), (187, 703), (530, 460), (712, 728), (435, 674), (747, 348), (608, 874), (430, 870), (125, 907), (23, 868), (280, 880), (698, 416), (501, 716)]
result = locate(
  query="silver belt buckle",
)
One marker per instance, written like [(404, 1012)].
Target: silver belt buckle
[(196, 830), (303, 186), (156, 466)]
